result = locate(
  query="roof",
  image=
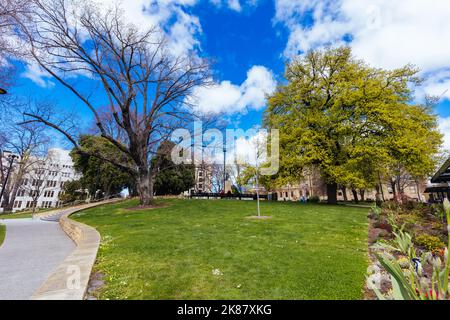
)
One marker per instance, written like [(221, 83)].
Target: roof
[(443, 174), (436, 189)]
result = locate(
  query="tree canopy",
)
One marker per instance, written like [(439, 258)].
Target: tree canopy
[(351, 121), (99, 174), (171, 178)]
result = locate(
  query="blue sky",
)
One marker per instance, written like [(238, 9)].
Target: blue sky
[(250, 41)]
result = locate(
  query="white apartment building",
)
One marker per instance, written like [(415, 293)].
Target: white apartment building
[(43, 182)]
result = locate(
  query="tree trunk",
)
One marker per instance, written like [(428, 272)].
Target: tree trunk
[(15, 189), (332, 193), (5, 200), (418, 191), (355, 195), (145, 187), (344, 193), (362, 192), (378, 200), (394, 189)]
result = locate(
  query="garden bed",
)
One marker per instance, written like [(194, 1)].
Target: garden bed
[(402, 231)]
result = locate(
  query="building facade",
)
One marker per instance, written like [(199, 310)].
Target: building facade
[(42, 183), (203, 179), (315, 186)]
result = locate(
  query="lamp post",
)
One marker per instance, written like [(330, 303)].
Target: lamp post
[(11, 158), (224, 168)]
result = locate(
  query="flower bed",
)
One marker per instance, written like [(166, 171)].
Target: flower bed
[(409, 258)]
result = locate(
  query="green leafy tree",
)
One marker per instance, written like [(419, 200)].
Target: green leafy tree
[(248, 176), (171, 178), (72, 191), (349, 120), (99, 174)]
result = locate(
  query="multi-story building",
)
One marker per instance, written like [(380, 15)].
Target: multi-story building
[(42, 183), (315, 186), (203, 179)]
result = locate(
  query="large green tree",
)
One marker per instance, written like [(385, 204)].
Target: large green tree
[(350, 120), (171, 178), (98, 174)]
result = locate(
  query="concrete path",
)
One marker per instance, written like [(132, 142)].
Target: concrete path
[(32, 250)]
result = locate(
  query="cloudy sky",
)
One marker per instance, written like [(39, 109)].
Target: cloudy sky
[(250, 41)]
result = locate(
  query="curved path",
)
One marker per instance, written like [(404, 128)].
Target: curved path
[(32, 250)]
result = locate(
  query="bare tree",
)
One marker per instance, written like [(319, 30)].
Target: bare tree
[(146, 87), (10, 12), (29, 142), (40, 179)]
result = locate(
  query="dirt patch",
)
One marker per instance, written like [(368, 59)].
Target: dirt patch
[(141, 208)]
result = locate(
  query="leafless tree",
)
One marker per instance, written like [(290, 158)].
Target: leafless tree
[(10, 12), (147, 88), (216, 173), (40, 179), (29, 142)]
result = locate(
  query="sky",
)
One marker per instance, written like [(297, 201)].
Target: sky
[(249, 42)]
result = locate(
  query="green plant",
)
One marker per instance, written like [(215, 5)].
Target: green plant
[(2, 233), (429, 242), (410, 284), (376, 210), (404, 243), (314, 199), (438, 211), (404, 285)]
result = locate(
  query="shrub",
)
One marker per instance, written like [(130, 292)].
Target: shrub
[(375, 211), (437, 210), (314, 199), (429, 242)]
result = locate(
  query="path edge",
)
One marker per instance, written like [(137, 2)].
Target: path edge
[(71, 278)]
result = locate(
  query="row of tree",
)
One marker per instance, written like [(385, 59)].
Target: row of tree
[(103, 179), (356, 124), (147, 87)]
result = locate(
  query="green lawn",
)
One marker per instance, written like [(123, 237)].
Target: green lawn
[(15, 215), (303, 252), (2, 233)]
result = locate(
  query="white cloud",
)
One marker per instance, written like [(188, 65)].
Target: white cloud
[(436, 84), (37, 75), (231, 4), (229, 98), (385, 33), (234, 5), (444, 127), (251, 150), (182, 29)]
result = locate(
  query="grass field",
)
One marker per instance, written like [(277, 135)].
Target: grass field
[(208, 249), (2, 233), (15, 215)]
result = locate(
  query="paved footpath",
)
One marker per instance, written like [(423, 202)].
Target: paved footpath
[(32, 250)]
